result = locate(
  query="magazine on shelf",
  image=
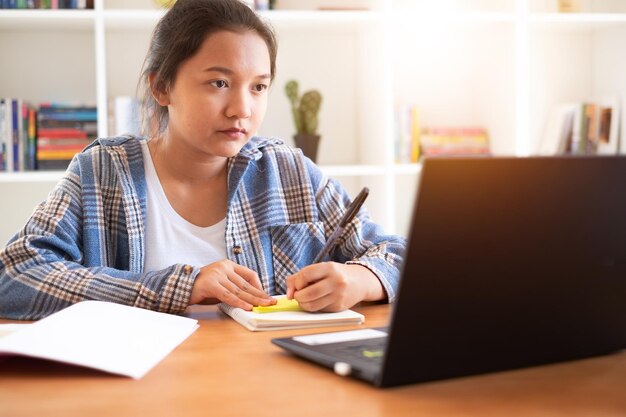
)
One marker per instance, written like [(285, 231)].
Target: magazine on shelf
[(590, 127)]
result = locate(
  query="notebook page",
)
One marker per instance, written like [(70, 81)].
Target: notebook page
[(106, 336)]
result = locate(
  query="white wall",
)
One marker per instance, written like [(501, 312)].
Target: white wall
[(18, 201)]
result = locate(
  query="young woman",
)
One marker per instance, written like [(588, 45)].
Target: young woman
[(202, 211)]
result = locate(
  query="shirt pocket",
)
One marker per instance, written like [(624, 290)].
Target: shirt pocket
[(294, 246)]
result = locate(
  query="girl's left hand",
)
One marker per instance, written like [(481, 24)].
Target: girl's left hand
[(331, 286)]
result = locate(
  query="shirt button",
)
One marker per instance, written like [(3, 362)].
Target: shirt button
[(237, 250), (187, 269)]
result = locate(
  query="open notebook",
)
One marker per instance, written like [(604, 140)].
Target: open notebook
[(109, 337), (282, 320)]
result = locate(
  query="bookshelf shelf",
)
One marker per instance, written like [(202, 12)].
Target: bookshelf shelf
[(456, 17), (30, 177), (46, 20), (133, 20), (354, 170), (296, 17), (577, 22), (407, 169)]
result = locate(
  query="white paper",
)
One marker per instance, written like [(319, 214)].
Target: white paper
[(338, 337), (283, 320), (106, 336), (7, 329)]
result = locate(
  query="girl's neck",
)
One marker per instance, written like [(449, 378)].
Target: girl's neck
[(185, 165)]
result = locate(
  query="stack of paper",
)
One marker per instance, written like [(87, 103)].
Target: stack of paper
[(283, 320)]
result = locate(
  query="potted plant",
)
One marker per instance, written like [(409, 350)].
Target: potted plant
[(305, 112)]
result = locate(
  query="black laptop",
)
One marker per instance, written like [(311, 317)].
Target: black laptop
[(511, 262)]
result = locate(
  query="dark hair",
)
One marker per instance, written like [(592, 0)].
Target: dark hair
[(177, 37)]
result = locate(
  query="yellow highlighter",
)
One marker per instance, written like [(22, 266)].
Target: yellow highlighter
[(282, 304)]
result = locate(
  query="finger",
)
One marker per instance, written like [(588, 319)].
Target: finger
[(235, 296), (308, 275), (242, 289), (249, 275), (290, 286), (246, 287), (311, 296), (228, 293), (317, 304)]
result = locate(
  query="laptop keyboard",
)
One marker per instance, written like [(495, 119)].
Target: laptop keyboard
[(372, 352)]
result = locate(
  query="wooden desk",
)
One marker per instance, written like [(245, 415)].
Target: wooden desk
[(224, 370)]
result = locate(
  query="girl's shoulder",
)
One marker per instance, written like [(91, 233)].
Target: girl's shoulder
[(257, 146), (274, 152), (104, 152), (105, 147), (122, 140), (271, 148)]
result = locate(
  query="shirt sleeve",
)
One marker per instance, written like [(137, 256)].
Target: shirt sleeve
[(42, 268), (363, 241)]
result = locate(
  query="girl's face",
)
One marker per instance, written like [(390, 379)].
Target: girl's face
[(219, 95)]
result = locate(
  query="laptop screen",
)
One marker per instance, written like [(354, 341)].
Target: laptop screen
[(511, 262)]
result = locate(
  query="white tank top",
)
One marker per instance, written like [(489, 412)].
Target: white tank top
[(170, 239)]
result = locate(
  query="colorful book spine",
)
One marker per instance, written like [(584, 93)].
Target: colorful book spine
[(455, 141), (32, 139), (3, 147), (62, 132), (407, 134), (15, 116)]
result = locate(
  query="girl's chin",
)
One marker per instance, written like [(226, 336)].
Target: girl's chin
[(228, 150)]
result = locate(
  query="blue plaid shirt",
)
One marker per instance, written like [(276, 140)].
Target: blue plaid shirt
[(86, 241)]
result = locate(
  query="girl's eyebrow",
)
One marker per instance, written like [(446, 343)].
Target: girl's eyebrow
[(224, 70), (228, 71)]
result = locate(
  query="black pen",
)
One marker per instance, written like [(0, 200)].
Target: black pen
[(353, 209)]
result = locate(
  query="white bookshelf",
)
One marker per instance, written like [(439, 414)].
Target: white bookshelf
[(501, 64)]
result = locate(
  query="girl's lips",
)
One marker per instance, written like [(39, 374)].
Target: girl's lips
[(234, 133)]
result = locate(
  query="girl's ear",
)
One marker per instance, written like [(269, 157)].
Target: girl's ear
[(159, 92)]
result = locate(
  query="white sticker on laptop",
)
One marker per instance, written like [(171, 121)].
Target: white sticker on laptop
[(338, 337)]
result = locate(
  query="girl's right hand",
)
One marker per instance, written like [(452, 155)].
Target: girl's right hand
[(230, 283)]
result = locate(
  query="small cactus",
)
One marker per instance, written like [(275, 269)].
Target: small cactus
[(304, 109)]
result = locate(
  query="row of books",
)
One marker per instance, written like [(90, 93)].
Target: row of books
[(46, 4), (62, 132), (17, 135), (45, 137), (413, 141), (589, 127)]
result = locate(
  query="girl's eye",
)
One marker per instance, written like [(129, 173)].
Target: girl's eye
[(260, 88), (219, 83)]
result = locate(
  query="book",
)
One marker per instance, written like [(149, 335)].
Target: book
[(455, 141), (110, 337), (582, 128), (558, 130), (31, 152), (608, 141), (284, 320), (407, 134)]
